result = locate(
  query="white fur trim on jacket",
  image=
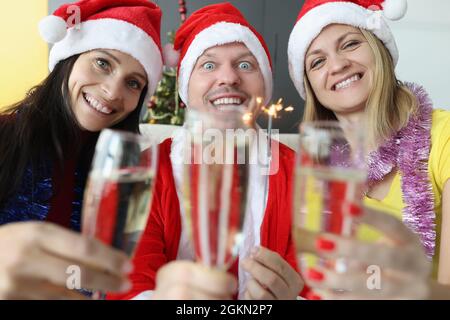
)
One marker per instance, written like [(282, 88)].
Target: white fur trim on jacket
[(219, 34), (144, 295), (312, 23), (111, 34)]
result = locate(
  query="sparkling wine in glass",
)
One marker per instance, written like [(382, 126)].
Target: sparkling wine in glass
[(117, 198), (215, 183), (330, 183)]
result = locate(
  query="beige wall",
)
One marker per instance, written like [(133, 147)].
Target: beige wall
[(23, 54)]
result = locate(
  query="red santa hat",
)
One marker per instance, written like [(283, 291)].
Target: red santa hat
[(317, 14), (216, 25), (130, 26)]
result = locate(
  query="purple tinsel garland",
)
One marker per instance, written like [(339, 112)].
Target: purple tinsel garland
[(408, 150)]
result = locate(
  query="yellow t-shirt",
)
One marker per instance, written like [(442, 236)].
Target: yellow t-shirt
[(438, 172)]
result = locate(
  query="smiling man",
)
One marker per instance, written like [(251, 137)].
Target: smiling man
[(224, 62), (225, 76)]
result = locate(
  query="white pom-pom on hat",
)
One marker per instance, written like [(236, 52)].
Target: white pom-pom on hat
[(171, 56), (395, 9), (52, 29)]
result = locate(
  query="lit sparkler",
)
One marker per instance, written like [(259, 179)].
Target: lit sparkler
[(273, 113)]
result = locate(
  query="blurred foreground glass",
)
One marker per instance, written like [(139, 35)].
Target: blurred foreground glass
[(215, 183), (330, 183), (117, 198)]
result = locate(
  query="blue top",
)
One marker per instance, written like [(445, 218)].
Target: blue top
[(31, 202)]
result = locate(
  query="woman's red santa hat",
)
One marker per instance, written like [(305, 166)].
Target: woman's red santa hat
[(216, 25), (315, 15), (130, 26)]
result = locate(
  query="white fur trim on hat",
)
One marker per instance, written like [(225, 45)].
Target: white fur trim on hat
[(111, 34), (312, 23), (219, 34)]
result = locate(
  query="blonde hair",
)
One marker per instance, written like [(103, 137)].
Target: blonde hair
[(390, 102)]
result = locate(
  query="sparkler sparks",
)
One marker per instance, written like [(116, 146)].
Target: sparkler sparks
[(275, 109)]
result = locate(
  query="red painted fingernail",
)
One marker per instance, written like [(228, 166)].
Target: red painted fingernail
[(325, 245), (355, 210), (313, 296), (315, 275)]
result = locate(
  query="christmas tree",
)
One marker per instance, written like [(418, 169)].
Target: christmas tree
[(165, 107)]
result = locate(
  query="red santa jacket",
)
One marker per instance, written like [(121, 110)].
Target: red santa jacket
[(160, 241)]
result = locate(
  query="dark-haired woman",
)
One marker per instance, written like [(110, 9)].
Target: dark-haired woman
[(102, 70)]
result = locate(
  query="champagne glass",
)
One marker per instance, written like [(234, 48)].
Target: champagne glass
[(329, 184), (215, 183), (116, 201)]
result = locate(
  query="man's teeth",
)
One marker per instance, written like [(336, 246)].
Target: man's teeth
[(97, 105), (223, 101), (346, 83)]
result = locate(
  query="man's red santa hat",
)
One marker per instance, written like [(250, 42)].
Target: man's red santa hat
[(216, 25), (130, 26), (315, 15)]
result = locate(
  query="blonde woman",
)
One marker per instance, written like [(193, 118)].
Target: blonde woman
[(342, 57)]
